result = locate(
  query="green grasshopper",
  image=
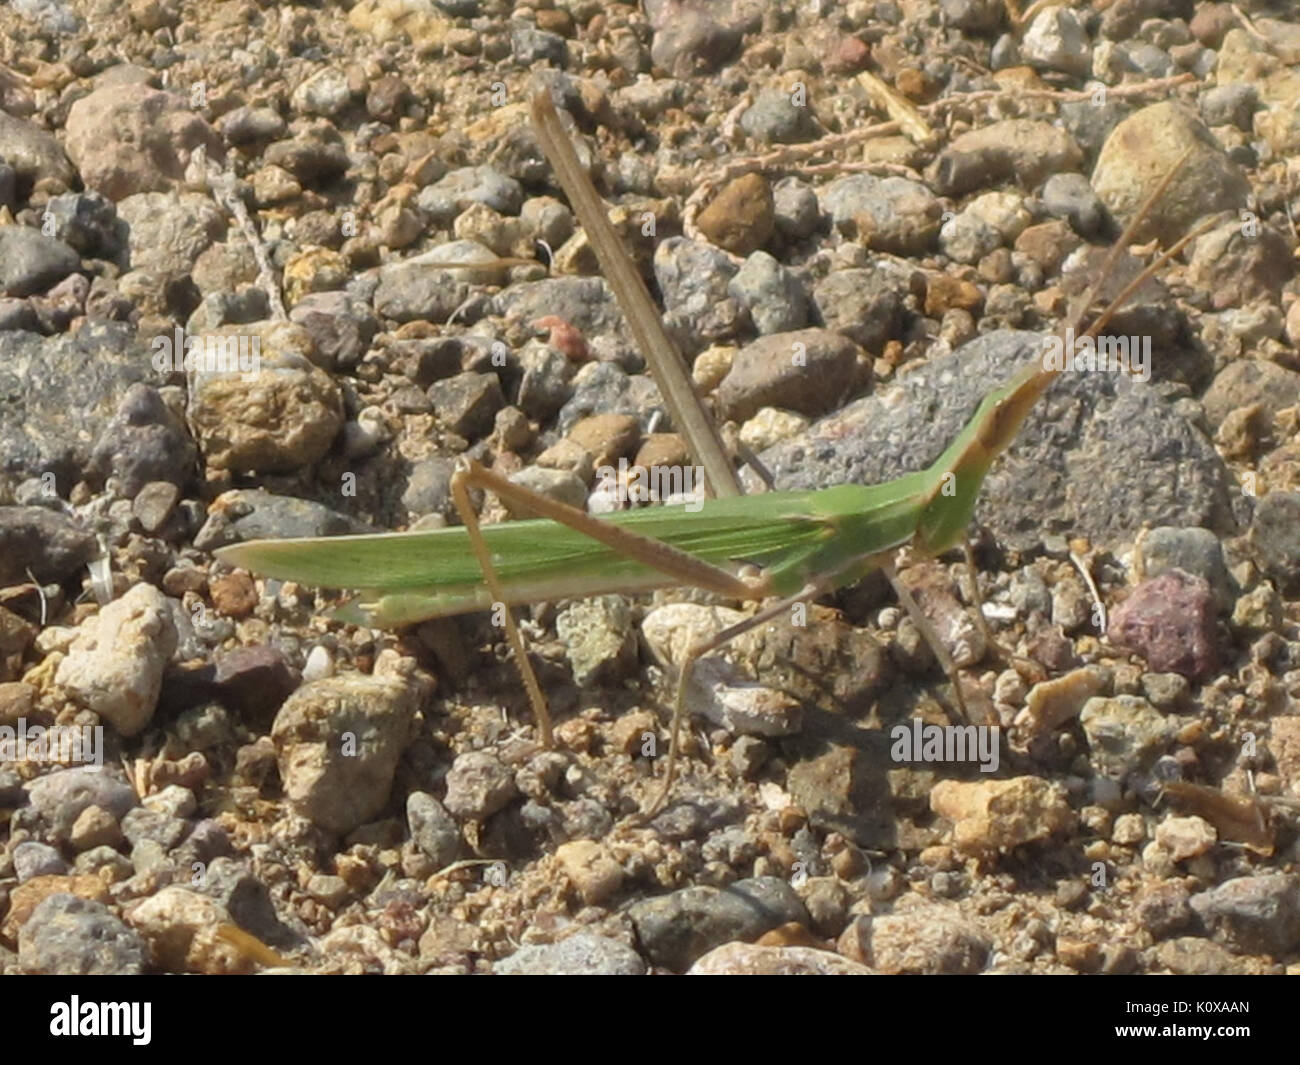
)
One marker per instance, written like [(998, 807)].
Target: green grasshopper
[(791, 546)]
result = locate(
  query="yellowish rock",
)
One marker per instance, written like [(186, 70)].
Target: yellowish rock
[(314, 269), (386, 19), (996, 815), (1052, 703), (596, 876), (1186, 837), (182, 929)]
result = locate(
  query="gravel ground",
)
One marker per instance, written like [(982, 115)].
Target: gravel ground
[(279, 790)]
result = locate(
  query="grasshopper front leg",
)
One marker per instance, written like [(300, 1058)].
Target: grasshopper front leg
[(680, 565), (462, 478)]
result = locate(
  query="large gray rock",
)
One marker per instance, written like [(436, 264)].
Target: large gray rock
[(1098, 456), (58, 394)]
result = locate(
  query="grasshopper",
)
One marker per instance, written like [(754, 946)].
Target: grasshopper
[(783, 546)]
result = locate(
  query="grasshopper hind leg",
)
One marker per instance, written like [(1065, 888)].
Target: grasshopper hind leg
[(685, 670), (930, 636)]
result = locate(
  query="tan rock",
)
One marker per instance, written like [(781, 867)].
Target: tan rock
[(183, 931), (115, 664), (996, 815), (1186, 837), (596, 876), (1052, 703)]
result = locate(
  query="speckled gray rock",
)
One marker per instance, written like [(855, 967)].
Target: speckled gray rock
[(603, 388), (529, 44), (58, 393), (478, 785), (865, 305), (693, 278), (144, 441), (1253, 914), (467, 403), (1193, 550), (1070, 196), (797, 212), (584, 954), (1274, 537), (773, 295), (776, 118), (1125, 734), (1100, 453), (891, 214), (598, 638), (977, 16), (142, 824), (433, 829), (1246, 381), (545, 386), (428, 487), (32, 262), (1090, 123), (60, 797), (967, 238), (32, 858), (167, 231), (246, 898), (1229, 105), (678, 928), (451, 194), (115, 663), (586, 303), (341, 327), (409, 290), (254, 514), (692, 39), (71, 936)]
